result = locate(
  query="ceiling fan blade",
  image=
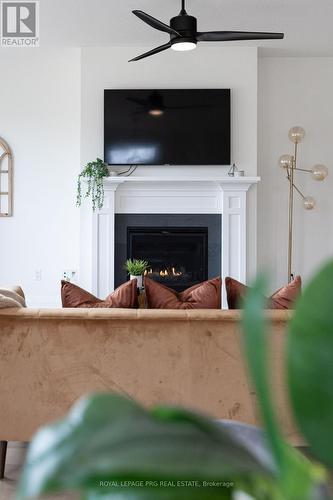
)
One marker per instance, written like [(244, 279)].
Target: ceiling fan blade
[(155, 23), (225, 36), (189, 107), (141, 102), (152, 52)]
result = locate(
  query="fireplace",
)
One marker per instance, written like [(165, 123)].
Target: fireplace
[(177, 256), (176, 199), (181, 249)]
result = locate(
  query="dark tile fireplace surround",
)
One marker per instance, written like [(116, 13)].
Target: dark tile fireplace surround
[(182, 249)]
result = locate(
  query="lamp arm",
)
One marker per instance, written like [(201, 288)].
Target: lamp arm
[(303, 170), (299, 191)]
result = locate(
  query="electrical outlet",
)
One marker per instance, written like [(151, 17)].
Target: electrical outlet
[(38, 275), (69, 275)]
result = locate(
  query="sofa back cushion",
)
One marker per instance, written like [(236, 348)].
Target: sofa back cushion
[(125, 296), (206, 295)]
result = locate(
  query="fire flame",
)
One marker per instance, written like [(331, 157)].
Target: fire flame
[(165, 273)]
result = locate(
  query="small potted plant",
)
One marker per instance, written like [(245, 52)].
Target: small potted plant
[(94, 174), (135, 268)]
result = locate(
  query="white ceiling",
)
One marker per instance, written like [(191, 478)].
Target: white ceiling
[(307, 24)]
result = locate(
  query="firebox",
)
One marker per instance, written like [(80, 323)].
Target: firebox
[(181, 249), (177, 256)]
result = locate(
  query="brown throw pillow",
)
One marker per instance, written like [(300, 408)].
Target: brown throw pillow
[(284, 298), (125, 296), (206, 295)]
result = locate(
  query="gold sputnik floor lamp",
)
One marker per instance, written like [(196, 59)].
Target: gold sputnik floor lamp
[(289, 163)]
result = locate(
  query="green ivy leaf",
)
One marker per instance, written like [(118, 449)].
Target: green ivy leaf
[(310, 364), (94, 173)]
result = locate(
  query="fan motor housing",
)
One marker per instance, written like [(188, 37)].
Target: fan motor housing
[(185, 25)]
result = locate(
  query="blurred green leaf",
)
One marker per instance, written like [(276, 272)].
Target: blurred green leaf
[(255, 341), (297, 477), (111, 438), (310, 364), (162, 494)]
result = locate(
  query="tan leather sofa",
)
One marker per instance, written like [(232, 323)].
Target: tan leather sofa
[(49, 358)]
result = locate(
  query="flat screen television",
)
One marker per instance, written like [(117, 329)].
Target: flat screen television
[(167, 127)]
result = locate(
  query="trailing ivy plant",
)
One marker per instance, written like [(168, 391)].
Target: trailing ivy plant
[(135, 267), (94, 174), (111, 448)]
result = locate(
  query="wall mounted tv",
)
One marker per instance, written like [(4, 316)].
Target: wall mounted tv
[(167, 127)]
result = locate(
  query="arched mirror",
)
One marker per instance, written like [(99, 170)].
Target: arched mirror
[(6, 180)]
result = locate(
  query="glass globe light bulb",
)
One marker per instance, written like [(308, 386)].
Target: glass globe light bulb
[(319, 172), (296, 134), (309, 203), (286, 161)]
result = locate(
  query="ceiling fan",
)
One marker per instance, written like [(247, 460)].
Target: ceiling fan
[(184, 35), (155, 105)]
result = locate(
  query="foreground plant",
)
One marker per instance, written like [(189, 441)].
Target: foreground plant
[(296, 477), (94, 174), (109, 447)]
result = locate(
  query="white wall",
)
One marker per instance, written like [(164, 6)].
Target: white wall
[(40, 119), (294, 91), (206, 67)]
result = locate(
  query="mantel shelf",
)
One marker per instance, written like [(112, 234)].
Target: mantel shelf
[(222, 180)]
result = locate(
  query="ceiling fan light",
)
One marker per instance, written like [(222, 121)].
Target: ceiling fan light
[(156, 112), (183, 46)]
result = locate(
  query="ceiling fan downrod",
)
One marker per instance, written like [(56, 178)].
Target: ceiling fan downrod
[(183, 10)]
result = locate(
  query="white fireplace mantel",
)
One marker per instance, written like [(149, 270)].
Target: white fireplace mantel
[(241, 182), (169, 195)]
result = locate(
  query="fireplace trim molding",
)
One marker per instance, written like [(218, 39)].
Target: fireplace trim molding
[(223, 195)]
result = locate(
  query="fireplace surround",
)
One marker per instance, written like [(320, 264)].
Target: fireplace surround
[(177, 257), (169, 194), (182, 249)]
